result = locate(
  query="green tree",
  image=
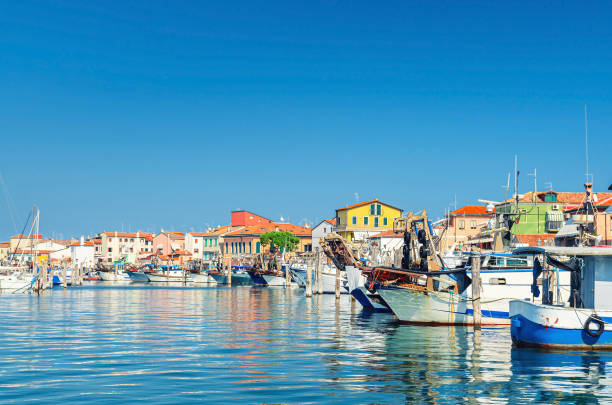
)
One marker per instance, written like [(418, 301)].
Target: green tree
[(280, 240)]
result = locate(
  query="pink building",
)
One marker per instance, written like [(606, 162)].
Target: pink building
[(167, 242)]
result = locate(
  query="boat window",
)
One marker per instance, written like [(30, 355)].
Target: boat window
[(517, 262)]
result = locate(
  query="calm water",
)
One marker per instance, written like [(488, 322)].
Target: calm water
[(107, 343)]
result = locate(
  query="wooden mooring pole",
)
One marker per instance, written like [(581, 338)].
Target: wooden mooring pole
[(287, 275), (476, 291), (229, 273), (309, 278), (64, 279), (337, 282), (319, 285)]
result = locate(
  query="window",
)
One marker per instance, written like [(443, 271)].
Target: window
[(473, 224), (215, 242), (461, 224), (110, 239), (366, 220), (131, 250), (385, 221), (110, 249), (550, 197), (132, 240), (250, 247), (338, 220), (376, 222), (232, 247), (257, 247), (226, 246), (372, 209), (378, 209), (354, 220)]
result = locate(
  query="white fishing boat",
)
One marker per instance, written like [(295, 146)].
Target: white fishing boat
[(582, 322), (172, 275), (114, 275), (17, 281)]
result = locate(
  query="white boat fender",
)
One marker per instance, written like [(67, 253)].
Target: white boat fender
[(597, 321)]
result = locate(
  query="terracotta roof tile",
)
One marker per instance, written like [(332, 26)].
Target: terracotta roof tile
[(471, 210), (268, 227)]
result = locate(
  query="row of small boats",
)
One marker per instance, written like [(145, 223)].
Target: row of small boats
[(240, 275)]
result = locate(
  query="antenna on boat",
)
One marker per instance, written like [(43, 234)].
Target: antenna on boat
[(586, 144), (507, 187), (516, 174)]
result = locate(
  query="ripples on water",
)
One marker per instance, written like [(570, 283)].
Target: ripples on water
[(107, 343)]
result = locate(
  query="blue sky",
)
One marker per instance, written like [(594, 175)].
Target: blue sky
[(141, 115)]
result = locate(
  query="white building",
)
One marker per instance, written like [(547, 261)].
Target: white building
[(128, 245), (194, 244), (326, 227), (82, 253)]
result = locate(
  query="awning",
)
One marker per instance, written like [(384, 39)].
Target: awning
[(554, 216), (568, 231)]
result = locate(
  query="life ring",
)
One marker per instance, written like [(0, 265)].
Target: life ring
[(600, 326)]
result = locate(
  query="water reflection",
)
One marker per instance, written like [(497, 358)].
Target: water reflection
[(250, 344)]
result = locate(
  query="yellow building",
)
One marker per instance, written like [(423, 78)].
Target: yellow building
[(364, 219)]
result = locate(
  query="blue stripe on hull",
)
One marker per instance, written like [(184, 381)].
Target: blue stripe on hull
[(489, 314), (362, 298), (527, 333)]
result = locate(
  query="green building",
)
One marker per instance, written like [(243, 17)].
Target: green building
[(539, 213)]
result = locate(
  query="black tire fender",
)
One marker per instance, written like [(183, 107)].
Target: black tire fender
[(600, 326)]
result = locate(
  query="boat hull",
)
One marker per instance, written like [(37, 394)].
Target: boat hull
[(548, 326), (112, 276), (370, 300), (137, 276), (14, 283), (237, 278), (328, 281), (171, 277), (274, 281), (256, 278), (202, 278)]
